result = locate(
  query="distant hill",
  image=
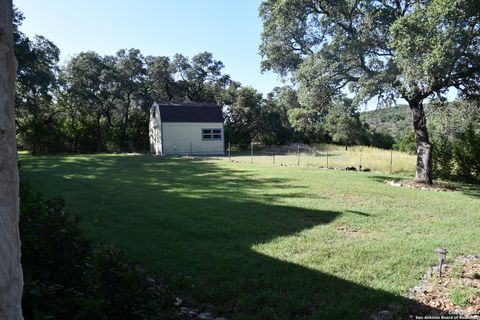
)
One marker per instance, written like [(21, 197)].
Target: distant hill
[(394, 121)]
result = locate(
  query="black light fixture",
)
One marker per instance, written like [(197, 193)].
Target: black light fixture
[(442, 256)]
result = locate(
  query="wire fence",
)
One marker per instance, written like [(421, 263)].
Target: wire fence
[(320, 156)]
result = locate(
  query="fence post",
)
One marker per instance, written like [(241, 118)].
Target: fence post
[(251, 152), (273, 157), (175, 147), (298, 156), (327, 159), (391, 160), (191, 149), (360, 162), (229, 152)]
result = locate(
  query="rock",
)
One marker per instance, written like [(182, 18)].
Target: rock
[(177, 302), (394, 183), (192, 313), (395, 306), (427, 274), (151, 281), (206, 316), (350, 169), (417, 289), (385, 315)]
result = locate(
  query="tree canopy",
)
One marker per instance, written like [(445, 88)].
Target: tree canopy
[(387, 49)]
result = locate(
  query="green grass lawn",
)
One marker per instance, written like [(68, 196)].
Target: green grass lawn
[(262, 241)]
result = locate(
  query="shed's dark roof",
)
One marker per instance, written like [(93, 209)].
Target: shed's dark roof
[(190, 112)]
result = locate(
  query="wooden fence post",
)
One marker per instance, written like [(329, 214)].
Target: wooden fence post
[(251, 152), (298, 156), (391, 160), (360, 162)]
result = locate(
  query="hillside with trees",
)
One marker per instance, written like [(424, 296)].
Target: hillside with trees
[(394, 121)]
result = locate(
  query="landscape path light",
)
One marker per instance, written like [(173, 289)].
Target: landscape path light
[(442, 256)]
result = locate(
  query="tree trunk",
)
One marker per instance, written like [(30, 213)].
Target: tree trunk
[(11, 280), (424, 147)]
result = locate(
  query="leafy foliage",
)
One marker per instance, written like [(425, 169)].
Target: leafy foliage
[(377, 49), (343, 122), (407, 143), (456, 137), (36, 81)]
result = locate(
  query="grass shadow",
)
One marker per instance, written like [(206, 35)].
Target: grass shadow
[(198, 223), (358, 213), (387, 177)]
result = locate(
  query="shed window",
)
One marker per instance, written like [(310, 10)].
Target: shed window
[(211, 134)]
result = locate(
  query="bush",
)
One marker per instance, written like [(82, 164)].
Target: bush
[(443, 163), (380, 140), (68, 277), (407, 143), (466, 153), (455, 134)]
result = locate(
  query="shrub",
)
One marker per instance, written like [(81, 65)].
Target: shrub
[(442, 157), (68, 277), (407, 143), (466, 153), (380, 140), (455, 133)]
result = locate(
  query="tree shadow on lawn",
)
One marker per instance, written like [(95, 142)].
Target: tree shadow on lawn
[(197, 222), (382, 178), (469, 189)]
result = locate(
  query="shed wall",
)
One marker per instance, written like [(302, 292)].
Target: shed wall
[(184, 138)]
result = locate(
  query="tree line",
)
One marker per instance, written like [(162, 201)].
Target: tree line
[(100, 103)]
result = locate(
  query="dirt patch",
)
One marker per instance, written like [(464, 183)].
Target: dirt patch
[(417, 185), (347, 230)]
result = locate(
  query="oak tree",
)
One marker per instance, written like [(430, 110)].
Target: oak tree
[(388, 49)]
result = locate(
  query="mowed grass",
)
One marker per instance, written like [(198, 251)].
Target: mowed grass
[(262, 241)]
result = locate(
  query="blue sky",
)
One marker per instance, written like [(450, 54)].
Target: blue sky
[(229, 29)]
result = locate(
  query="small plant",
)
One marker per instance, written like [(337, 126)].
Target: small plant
[(433, 279), (457, 269), (460, 296)]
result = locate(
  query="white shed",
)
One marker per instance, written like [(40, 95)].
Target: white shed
[(186, 128)]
